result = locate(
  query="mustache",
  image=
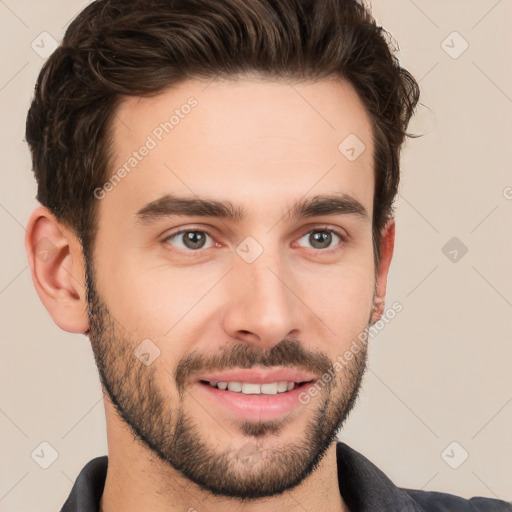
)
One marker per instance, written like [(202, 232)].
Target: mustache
[(287, 353)]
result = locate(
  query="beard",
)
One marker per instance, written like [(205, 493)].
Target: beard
[(246, 469)]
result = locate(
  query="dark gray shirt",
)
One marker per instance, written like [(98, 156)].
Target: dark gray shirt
[(364, 487)]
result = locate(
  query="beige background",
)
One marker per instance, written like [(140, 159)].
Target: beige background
[(439, 372)]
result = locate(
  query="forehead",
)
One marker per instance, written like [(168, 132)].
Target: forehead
[(262, 140)]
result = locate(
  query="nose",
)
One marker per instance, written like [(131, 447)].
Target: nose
[(262, 307)]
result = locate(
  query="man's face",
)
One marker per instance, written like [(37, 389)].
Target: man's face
[(259, 301)]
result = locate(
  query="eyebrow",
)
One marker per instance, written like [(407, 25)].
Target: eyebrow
[(176, 206)]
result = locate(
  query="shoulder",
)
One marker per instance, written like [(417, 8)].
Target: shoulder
[(433, 501), (365, 487)]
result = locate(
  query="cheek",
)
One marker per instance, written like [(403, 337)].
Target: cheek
[(152, 300), (343, 298)]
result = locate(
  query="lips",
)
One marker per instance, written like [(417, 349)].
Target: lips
[(255, 394)]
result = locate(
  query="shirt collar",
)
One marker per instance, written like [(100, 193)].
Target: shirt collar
[(365, 488), (88, 487)]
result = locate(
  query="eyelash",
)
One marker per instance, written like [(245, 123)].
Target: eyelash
[(190, 252)]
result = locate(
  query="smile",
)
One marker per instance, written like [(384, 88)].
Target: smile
[(254, 395)]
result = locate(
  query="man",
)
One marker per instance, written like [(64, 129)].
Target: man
[(216, 181)]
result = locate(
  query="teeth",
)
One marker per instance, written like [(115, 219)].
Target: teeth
[(282, 386), (235, 386), (249, 388), (270, 389)]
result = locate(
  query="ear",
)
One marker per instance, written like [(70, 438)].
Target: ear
[(387, 244), (58, 270)]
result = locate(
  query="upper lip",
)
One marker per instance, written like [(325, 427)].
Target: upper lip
[(258, 376)]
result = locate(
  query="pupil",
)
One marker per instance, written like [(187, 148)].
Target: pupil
[(322, 237), (194, 239)]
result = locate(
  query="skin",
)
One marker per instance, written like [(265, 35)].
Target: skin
[(262, 145)]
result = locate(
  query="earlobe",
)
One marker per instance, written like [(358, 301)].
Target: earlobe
[(387, 244), (56, 264)]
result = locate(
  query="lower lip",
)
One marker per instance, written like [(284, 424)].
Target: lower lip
[(256, 407)]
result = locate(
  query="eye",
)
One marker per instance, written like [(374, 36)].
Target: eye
[(191, 239), (322, 238)]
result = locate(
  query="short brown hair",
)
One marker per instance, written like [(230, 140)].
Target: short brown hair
[(140, 47)]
